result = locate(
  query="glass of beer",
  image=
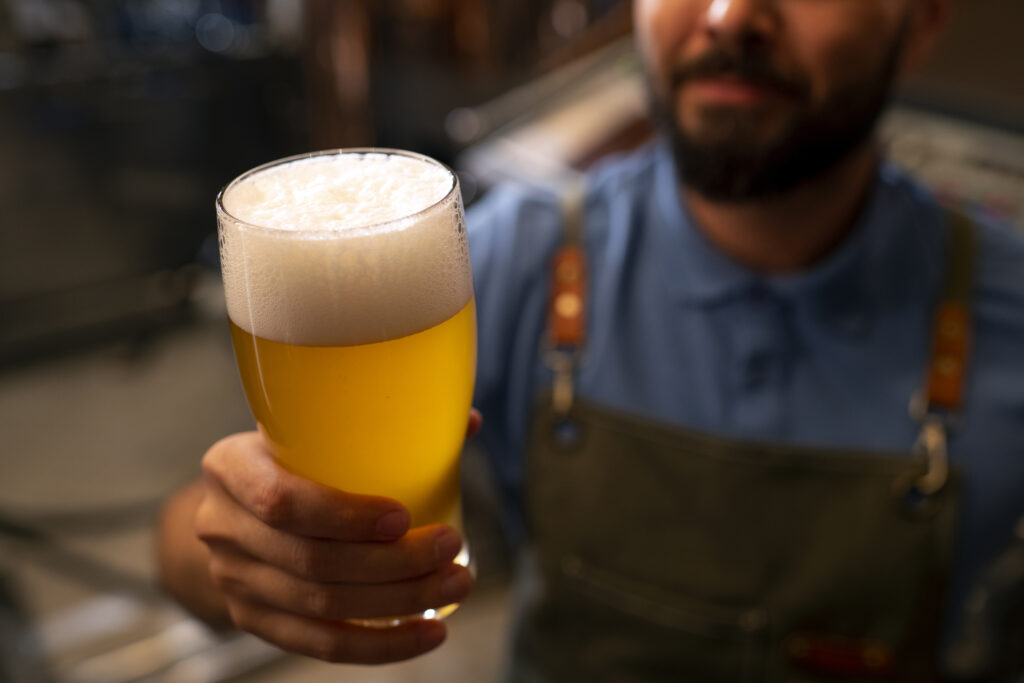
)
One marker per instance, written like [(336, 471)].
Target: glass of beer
[(350, 298)]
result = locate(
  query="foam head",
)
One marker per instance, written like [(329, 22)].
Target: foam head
[(343, 248)]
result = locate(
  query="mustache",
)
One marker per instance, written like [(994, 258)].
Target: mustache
[(746, 66)]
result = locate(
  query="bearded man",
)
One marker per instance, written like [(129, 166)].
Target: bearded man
[(706, 450)]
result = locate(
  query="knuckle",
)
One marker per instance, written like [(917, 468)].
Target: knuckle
[(308, 561), (323, 603), (272, 503), (215, 454), (201, 525), (204, 522), (221, 458), (212, 535), (349, 518)]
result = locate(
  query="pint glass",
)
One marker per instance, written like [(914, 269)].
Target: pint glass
[(351, 309)]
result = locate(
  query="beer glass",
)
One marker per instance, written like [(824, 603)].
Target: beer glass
[(351, 309)]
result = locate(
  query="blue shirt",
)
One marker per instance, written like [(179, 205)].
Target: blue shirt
[(679, 332)]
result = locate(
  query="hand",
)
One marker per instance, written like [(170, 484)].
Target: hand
[(294, 559)]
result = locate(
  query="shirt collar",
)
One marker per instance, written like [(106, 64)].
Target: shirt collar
[(841, 289)]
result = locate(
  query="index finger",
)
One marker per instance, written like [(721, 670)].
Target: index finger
[(243, 467)]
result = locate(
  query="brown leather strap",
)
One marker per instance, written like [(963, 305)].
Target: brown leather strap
[(567, 307), (952, 332), (568, 298)]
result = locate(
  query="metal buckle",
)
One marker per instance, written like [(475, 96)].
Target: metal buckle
[(931, 444), (566, 431), (916, 490), (563, 364)]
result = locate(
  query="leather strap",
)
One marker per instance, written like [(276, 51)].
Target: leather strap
[(951, 333), (567, 307), (937, 406)]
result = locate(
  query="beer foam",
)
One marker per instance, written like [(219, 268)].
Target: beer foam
[(344, 249), (338, 192)]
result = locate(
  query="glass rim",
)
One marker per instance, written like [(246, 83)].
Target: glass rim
[(387, 151)]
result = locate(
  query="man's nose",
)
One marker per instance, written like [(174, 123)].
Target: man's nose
[(741, 21)]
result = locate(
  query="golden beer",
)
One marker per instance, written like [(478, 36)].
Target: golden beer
[(350, 300), (382, 417)]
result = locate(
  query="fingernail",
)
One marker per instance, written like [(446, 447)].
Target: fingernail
[(393, 524), (447, 545), (455, 585)]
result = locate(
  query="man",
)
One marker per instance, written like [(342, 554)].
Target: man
[(724, 487)]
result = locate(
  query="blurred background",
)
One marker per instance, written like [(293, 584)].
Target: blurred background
[(119, 122)]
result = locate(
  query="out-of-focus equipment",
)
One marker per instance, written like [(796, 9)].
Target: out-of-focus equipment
[(118, 121), (968, 164), (387, 73), (547, 130), (559, 124)]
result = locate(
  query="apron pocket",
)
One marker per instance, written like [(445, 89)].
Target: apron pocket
[(630, 631)]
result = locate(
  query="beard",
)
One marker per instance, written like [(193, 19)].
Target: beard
[(730, 159)]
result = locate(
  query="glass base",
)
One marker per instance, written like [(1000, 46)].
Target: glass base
[(462, 558)]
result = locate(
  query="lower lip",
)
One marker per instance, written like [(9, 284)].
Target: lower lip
[(728, 92)]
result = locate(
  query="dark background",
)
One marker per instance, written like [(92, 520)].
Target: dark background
[(120, 120)]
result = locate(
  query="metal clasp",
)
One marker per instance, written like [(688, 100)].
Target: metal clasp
[(563, 364), (931, 444), (566, 431)]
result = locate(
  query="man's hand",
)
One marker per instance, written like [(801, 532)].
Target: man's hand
[(295, 559)]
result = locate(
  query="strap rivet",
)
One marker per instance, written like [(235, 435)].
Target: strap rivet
[(568, 305)]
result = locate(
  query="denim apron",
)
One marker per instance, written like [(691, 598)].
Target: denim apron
[(661, 554)]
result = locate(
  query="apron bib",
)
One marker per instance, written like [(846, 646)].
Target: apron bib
[(661, 554)]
